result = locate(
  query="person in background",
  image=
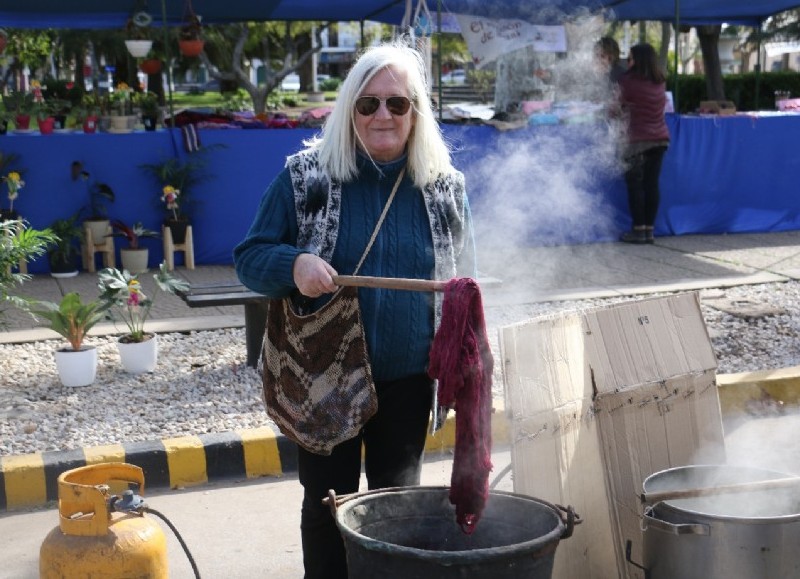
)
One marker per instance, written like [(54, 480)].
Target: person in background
[(315, 221), (642, 100), (607, 53)]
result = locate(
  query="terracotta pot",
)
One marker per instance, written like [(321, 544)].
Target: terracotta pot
[(150, 66), (191, 47), (47, 125)]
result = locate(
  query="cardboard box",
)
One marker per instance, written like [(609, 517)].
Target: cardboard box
[(600, 399), (717, 107)]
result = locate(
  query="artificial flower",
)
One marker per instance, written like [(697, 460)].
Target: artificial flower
[(14, 183), (170, 196)]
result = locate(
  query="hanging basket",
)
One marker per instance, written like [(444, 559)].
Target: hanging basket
[(139, 48), (150, 66), (191, 47)]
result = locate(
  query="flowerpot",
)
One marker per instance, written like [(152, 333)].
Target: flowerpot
[(191, 47), (134, 260), (100, 228), (138, 48), (63, 266), (76, 367), (177, 229), (47, 125), (139, 357), (315, 97), (3, 127), (150, 122), (60, 122), (104, 123), (90, 124), (122, 123), (22, 122), (150, 66)]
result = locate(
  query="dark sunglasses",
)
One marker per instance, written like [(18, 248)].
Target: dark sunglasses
[(368, 105)]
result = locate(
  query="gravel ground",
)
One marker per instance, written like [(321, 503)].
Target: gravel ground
[(202, 384)]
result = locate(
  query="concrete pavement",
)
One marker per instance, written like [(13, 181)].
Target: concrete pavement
[(244, 528)]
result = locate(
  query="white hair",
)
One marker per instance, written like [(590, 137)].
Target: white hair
[(428, 154)]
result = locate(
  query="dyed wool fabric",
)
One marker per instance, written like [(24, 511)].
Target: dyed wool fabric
[(461, 360)]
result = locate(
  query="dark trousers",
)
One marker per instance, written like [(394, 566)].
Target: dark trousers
[(394, 440), (644, 196)]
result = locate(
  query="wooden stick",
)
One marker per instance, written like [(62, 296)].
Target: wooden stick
[(762, 485), (398, 283)]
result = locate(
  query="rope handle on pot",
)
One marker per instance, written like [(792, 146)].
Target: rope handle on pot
[(570, 519)]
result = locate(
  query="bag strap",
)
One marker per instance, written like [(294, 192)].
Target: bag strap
[(380, 220)]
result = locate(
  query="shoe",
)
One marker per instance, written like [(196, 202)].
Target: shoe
[(634, 236), (649, 237)]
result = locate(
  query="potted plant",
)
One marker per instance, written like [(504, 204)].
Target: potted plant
[(86, 113), (122, 293), (95, 212), (138, 40), (121, 109), (176, 178), (45, 117), (72, 319), (134, 258), (6, 117), (148, 106), (190, 36), (21, 105), (64, 252)]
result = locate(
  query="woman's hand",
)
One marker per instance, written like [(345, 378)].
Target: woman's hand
[(313, 275)]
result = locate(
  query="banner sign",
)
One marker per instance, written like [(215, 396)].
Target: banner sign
[(487, 39)]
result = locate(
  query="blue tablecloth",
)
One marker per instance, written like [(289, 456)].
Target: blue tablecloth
[(537, 185)]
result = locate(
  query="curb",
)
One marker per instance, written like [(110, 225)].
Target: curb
[(32, 480)]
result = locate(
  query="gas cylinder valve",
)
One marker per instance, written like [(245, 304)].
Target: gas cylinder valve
[(129, 501)]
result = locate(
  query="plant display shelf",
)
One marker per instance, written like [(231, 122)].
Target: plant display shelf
[(90, 246), (170, 247)]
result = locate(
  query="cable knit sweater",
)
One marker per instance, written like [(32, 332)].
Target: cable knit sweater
[(424, 236)]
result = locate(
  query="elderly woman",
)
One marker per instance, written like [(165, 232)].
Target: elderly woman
[(315, 221)]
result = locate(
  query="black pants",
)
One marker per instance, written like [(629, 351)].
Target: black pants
[(394, 440), (644, 196)]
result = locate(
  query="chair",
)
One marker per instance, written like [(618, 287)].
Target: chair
[(90, 246), (170, 247)]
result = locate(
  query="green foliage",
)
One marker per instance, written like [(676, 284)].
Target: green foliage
[(330, 84), (98, 193), (19, 103), (30, 47), (132, 233), (182, 174), (237, 101), (18, 242), (68, 231), (122, 293), (70, 318)]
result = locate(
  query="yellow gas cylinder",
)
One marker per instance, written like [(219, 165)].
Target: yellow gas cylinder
[(91, 541)]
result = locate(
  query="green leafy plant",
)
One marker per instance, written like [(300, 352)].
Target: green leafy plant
[(19, 103), (71, 318), (181, 175), (69, 232), (132, 233), (18, 242), (121, 292), (147, 103), (98, 194)]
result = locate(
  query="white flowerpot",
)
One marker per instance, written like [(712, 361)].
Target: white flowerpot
[(134, 260), (138, 48), (77, 367), (139, 357)]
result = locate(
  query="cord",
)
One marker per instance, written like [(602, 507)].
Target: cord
[(177, 535)]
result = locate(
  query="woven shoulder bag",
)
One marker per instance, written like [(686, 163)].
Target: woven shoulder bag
[(317, 377)]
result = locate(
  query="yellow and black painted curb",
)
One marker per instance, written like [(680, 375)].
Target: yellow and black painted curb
[(32, 479)]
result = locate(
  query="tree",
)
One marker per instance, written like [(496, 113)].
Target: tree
[(709, 45), (280, 46)]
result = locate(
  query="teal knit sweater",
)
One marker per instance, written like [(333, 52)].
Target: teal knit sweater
[(399, 325)]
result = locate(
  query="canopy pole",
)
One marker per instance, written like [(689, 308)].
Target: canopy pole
[(758, 62), (675, 55), (168, 62)]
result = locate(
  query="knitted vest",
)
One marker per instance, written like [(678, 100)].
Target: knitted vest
[(317, 200)]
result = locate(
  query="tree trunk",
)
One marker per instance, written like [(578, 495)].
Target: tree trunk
[(709, 44)]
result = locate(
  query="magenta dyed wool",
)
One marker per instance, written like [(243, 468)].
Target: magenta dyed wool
[(461, 359)]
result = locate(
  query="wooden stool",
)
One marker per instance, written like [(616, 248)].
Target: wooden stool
[(22, 265), (90, 246), (187, 247)]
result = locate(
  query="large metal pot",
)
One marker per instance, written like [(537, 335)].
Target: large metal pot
[(742, 535)]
